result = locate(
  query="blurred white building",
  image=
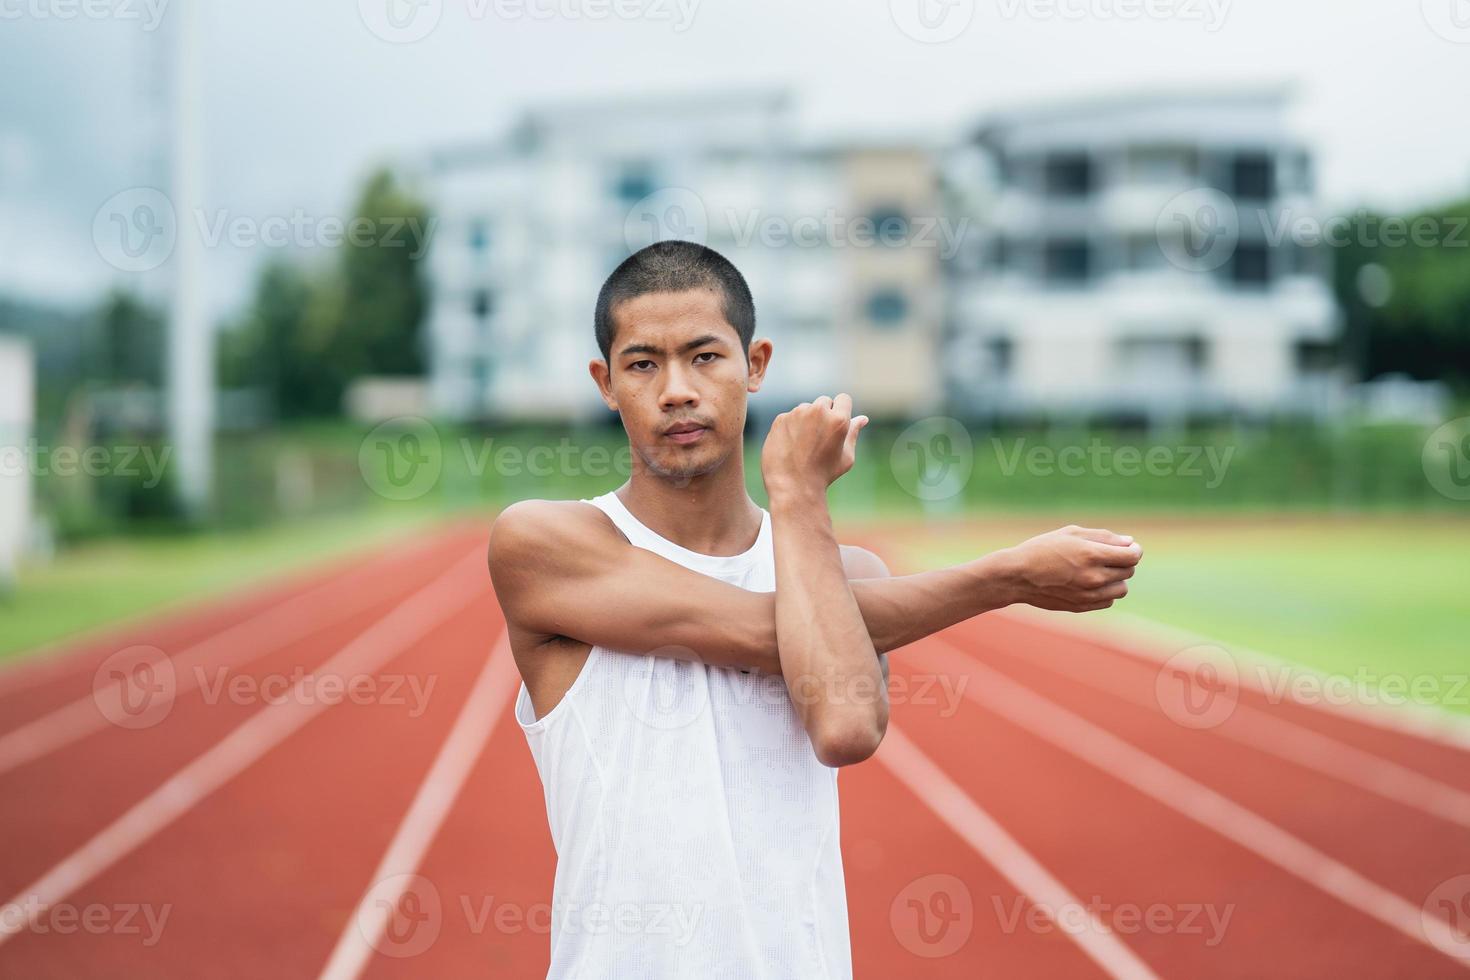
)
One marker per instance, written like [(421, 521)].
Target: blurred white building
[(532, 223), (1139, 260)]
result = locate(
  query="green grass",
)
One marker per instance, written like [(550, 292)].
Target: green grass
[(100, 583), (1384, 596)]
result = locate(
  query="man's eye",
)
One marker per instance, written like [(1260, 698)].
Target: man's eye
[(641, 365), (709, 354)]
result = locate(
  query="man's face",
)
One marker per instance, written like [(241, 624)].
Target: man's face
[(678, 377)]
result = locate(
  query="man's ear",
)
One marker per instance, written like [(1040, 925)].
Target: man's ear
[(759, 359), (597, 367)]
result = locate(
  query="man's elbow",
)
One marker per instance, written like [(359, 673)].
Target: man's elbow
[(849, 743)]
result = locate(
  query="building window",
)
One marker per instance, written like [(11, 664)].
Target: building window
[(482, 304), (1315, 356), (1000, 352), (1142, 253), (482, 372), (1252, 177), (888, 307), (1067, 175), (1250, 266), (634, 183), (1296, 175), (1067, 261), (1000, 253), (479, 237), (1161, 359), (890, 226)]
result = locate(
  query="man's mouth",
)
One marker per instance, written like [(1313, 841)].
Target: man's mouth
[(685, 432)]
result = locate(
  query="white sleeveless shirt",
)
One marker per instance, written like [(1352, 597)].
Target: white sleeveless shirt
[(696, 832)]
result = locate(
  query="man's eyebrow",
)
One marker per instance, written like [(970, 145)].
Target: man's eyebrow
[(708, 338)]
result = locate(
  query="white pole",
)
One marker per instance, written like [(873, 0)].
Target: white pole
[(191, 341)]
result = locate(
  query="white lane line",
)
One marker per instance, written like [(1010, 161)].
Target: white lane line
[(1294, 743), (286, 622), (76, 654), (1158, 642), (990, 840), (493, 690), (1112, 755), (368, 653)]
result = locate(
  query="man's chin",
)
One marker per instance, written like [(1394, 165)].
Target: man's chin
[(685, 465)]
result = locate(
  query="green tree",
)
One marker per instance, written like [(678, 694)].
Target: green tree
[(131, 341), (311, 330), (1421, 326)]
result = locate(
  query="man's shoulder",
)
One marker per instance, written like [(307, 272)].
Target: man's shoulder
[(534, 526), (859, 562)]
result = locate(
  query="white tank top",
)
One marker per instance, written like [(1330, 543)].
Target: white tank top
[(696, 832)]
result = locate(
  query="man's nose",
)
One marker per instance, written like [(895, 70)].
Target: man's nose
[(678, 389)]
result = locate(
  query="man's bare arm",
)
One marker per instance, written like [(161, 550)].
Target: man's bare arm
[(561, 568), (820, 631)]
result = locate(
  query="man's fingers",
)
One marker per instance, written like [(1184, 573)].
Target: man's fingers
[(1108, 593), (1105, 536), (1116, 556), (822, 401), (1108, 574), (853, 428), (842, 403)]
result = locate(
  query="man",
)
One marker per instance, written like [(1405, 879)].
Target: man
[(696, 668)]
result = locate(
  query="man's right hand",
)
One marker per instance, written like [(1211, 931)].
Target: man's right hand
[(1073, 569)]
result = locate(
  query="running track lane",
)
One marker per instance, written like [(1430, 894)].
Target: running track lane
[(264, 867), (105, 773), (226, 898), (1077, 800), (52, 674), (39, 684)]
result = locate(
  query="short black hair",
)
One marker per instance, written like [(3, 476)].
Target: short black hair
[(674, 267)]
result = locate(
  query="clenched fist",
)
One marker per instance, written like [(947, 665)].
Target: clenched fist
[(810, 446), (1074, 569)]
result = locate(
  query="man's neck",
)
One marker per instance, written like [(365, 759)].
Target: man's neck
[(711, 514)]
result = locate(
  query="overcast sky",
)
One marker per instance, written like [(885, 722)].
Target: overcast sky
[(302, 96)]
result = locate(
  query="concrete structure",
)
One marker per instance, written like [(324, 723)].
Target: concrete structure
[(17, 415), (1136, 262)]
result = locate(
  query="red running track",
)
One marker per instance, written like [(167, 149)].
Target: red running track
[(1034, 812)]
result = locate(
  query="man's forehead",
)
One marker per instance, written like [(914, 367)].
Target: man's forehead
[(671, 318)]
